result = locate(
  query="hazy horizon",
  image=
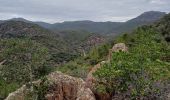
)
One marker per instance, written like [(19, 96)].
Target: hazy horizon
[(52, 11)]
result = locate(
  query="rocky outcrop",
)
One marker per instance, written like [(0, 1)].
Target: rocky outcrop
[(116, 48), (60, 87), (20, 93), (91, 81), (64, 87), (119, 47)]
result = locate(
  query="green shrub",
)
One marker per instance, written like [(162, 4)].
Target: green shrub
[(74, 69), (98, 54), (23, 59), (139, 70), (6, 88)]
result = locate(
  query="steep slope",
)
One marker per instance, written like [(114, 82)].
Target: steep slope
[(135, 74), (18, 29), (143, 19), (10, 29), (163, 27), (143, 69), (64, 45), (83, 39)]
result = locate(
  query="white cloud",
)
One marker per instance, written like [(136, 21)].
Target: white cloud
[(157, 2)]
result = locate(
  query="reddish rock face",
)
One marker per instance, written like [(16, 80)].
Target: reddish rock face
[(62, 91), (64, 87), (60, 87), (103, 96)]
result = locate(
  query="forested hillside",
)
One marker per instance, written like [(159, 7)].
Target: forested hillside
[(29, 52)]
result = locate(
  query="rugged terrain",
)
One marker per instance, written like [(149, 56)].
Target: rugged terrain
[(135, 68)]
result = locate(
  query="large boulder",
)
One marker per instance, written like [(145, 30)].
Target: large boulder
[(20, 93), (60, 87), (64, 87), (119, 47)]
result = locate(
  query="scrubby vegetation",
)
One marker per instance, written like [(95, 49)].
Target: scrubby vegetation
[(22, 60), (82, 65), (74, 68), (140, 73), (29, 51)]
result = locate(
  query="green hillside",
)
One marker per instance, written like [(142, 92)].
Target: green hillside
[(28, 52), (140, 73), (136, 73)]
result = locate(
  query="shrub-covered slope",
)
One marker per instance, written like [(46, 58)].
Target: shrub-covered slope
[(143, 71)]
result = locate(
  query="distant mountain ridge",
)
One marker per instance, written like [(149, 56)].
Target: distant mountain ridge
[(101, 27), (20, 29), (143, 19), (147, 16)]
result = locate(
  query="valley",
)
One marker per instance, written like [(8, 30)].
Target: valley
[(86, 60)]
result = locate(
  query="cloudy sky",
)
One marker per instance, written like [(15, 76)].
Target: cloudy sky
[(71, 10)]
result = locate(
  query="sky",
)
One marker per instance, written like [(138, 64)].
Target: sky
[(71, 10)]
